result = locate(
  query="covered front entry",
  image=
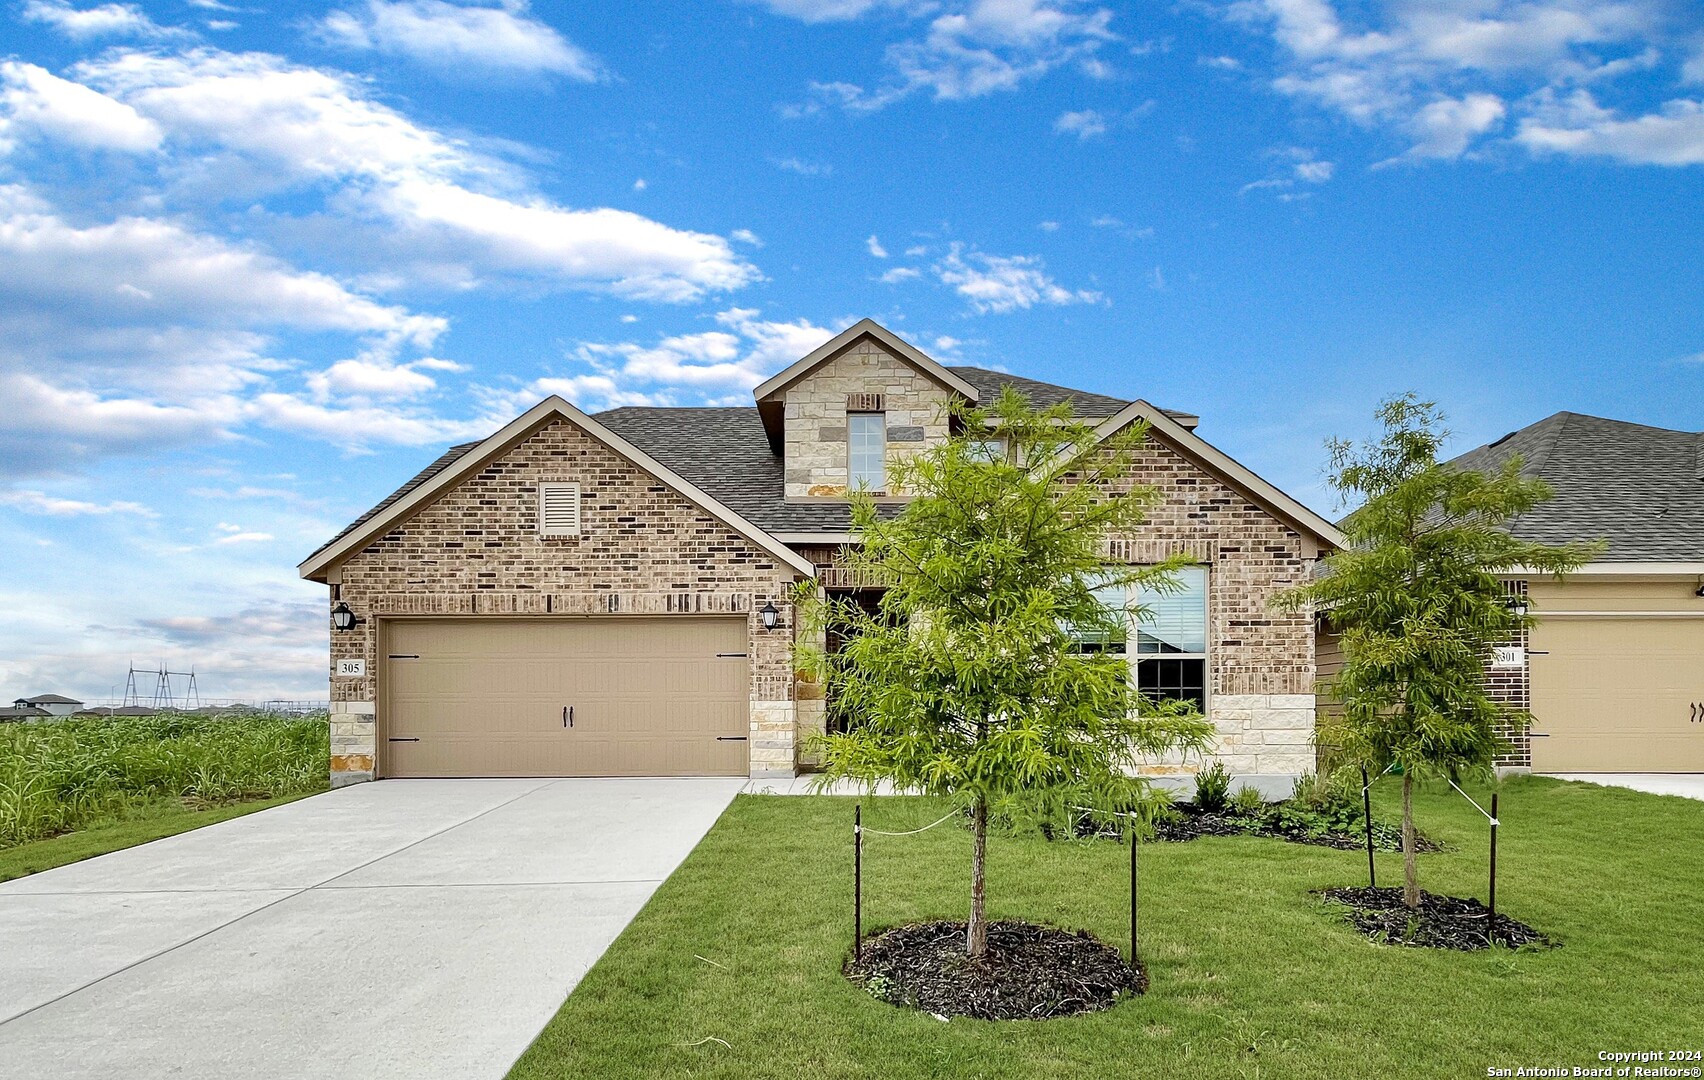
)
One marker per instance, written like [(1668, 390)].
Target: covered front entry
[(1620, 693), (564, 696)]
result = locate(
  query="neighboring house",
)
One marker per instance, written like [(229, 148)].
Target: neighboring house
[(581, 595), (1614, 671), (21, 712), (52, 704)]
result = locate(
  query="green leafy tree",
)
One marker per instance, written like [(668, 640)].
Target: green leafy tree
[(973, 681), (1418, 597)]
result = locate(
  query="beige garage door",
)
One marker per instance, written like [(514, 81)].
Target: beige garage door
[(615, 696), (1618, 695)]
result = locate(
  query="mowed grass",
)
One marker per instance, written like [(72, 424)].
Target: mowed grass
[(1251, 975), (60, 776), (135, 825)]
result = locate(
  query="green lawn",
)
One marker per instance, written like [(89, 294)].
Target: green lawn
[(1251, 975), (138, 825)]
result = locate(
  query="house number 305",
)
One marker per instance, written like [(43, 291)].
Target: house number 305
[(352, 667)]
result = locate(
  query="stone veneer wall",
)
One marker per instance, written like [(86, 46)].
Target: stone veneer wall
[(644, 549), (815, 412)]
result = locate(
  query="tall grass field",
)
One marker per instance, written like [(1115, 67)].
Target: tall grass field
[(62, 775)]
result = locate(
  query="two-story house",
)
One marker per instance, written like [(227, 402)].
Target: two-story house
[(611, 595)]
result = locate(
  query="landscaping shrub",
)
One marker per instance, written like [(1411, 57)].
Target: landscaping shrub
[(61, 775), (1213, 787), (1248, 802)]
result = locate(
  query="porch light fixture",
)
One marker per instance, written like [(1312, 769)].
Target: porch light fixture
[(342, 618), (1518, 605), (769, 614)]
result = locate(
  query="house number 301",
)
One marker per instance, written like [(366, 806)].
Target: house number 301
[(352, 667)]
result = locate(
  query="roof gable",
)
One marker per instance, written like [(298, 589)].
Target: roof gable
[(1264, 494), (839, 343), (428, 486)]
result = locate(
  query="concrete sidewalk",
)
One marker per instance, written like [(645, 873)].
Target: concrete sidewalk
[(407, 928), (1686, 785)]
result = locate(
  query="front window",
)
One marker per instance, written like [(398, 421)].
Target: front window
[(866, 444), (988, 448), (1171, 639)]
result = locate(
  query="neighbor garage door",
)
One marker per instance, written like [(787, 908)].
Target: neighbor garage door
[(613, 696), (1622, 694)]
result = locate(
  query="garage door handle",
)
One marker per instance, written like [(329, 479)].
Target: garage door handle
[(567, 716), (731, 738), (402, 740)]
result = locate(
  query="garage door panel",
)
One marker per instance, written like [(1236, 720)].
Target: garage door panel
[(1617, 694), (485, 697)]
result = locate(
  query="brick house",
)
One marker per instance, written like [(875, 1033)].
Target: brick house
[(611, 594), (1613, 672)]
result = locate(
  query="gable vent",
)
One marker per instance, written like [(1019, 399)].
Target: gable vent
[(558, 509), (863, 403)]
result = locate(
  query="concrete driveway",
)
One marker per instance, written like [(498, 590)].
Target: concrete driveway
[(1686, 785), (408, 928)]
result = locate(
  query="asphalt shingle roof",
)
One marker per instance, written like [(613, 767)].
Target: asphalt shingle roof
[(1639, 488), (724, 451)]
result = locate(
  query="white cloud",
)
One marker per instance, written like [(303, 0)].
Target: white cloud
[(1447, 75), (803, 168), (1294, 165), (81, 24), (899, 274), (1578, 126), (244, 538), (1048, 226), (820, 11), (461, 36), (746, 236), (744, 350), (369, 377), (875, 247), (1085, 124), (39, 502), (415, 196), (970, 48), (134, 270), (34, 99), (1447, 127), (51, 429), (1004, 283)]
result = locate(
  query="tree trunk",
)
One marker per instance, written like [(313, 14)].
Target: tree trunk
[(976, 939), (1410, 865)]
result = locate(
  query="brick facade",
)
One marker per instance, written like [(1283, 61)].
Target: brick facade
[(1512, 687), (816, 407), (644, 549), (1260, 661)]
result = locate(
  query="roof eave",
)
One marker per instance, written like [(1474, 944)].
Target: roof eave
[(1268, 494)]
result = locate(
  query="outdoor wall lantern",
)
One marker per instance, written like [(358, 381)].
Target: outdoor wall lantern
[(343, 618), (769, 614)]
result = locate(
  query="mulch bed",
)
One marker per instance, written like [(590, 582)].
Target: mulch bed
[(1190, 823), (1031, 972), (1441, 922)]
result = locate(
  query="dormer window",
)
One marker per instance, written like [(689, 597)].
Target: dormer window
[(866, 450)]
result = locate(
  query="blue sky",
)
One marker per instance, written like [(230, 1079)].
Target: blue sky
[(260, 263)]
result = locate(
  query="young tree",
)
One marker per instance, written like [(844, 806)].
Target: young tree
[(1418, 600), (972, 682)]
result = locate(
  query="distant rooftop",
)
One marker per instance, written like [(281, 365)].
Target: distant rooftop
[(1639, 488)]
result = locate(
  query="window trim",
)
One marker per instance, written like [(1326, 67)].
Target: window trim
[(1137, 657), (851, 453), (552, 486)]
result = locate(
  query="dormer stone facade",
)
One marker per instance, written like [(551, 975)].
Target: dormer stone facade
[(865, 378)]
